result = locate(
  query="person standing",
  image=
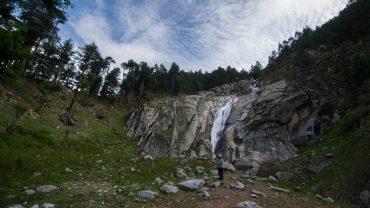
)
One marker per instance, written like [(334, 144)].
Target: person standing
[(220, 163)]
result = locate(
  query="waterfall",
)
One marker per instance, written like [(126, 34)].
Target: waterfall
[(222, 114)]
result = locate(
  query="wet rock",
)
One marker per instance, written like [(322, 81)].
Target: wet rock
[(169, 189), (46, 188), (284, 176), (247, 204), (194, 184), (146, 194), (237, 185)]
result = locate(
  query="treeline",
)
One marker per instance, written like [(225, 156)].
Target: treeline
[(351, 25), (31, 48)]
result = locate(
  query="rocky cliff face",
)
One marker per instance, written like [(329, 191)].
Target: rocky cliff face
[(263, 125)]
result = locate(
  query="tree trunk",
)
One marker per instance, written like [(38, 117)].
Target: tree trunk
[(141, 88)]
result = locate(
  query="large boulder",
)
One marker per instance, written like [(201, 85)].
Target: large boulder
[(194, 184)]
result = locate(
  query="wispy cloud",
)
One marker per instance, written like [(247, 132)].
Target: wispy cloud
[(198, 33)]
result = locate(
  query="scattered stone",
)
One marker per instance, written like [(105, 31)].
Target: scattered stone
[(328, 199), (180, 173), (237, 185), (247, 204), (365, 198), (16, 206), (214, 172), (47, 205), (215, 184), (146, 194), (250, 181), (284, 176), (261, 179), (254, 196), (158, 180), (203, 189), (318, 168), (46, 188), (35, 206), (194, 184), (10, 197), (258, 193), (184, 161), (148, 158), (67, 170), (329, 156), (199, 169), (272, 179), (36, 174), (134, 160), (228, 166), (29, 192), (98, 162), (169, 189), (203, 194), (274, 188)]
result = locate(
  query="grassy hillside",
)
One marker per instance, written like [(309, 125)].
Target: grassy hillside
[(96, 150), (345, 150)]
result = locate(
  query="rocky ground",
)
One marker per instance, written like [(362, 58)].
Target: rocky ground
[(236, 190)]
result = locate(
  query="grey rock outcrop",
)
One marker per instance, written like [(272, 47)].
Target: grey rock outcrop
[(263, 125)]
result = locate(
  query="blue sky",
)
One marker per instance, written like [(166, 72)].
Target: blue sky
[(196, 34)]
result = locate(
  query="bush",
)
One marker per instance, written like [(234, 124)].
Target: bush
[(20, 109)]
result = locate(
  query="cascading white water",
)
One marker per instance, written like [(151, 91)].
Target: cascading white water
[(222, 114)]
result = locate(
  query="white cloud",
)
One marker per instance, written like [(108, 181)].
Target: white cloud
[(200, 34)]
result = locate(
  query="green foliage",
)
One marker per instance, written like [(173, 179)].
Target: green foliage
[(349, 143), (20, 109)]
